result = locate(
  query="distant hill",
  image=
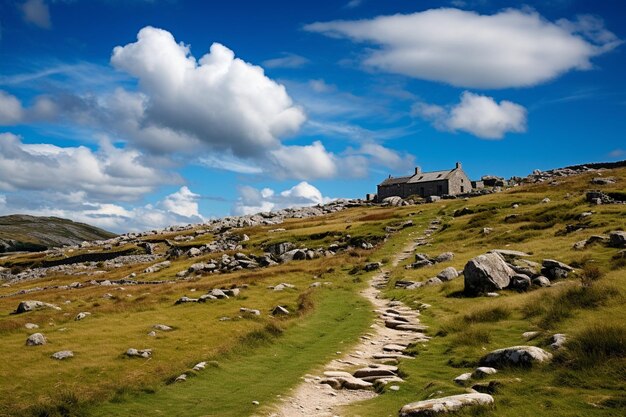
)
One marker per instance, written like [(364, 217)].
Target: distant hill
[(20, 232)]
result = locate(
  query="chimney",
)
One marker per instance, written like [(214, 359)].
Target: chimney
[(458, 165), (418, 170)]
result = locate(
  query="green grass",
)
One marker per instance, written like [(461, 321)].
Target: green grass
[(256, 371)]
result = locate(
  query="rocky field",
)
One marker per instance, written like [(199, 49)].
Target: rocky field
[(507, 302)]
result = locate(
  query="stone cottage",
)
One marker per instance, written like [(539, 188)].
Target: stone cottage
[(425, 184)]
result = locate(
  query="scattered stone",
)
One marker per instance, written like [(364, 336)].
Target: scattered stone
[(448, 274), (490, 387), (516, 356), (483, 371), (255, 402), (555, 269), (394, 388), (31, 326), (186, 299), (617, 239), (63, 354), (372, 266), (143, 353), (32, 305), (250, 311), (199, 366), (445, 404), (36, 339), (557, 341), (82, 315), (530, 335), (545, 200), (152, 334), (162, 327), (444, 257), (463, 378), (181, 378), (279, 310)]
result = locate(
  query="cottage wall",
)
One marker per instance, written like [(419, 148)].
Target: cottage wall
[(459, 183)]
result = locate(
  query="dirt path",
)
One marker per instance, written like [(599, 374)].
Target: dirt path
[(314, 396)]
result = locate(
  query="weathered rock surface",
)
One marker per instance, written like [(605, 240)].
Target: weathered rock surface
[(445, 404), (32, 305), (63, 354), (486, 273), (36, 339), (516, 356), (141, 353)]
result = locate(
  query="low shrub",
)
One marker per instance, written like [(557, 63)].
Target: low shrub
[(595, 345)]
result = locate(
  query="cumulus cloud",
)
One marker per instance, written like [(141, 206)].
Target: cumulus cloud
[(512, 48), (479, 115), (11, 110), (220, 100), (252, 200), (287, 60), (37, 13), (179, 207), (303, 162), (109, 173)]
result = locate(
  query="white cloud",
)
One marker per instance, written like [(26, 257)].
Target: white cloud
[(479, 115), (252, 200), (183, 202), (219, 100), (108, 173), (304, 162), (352, 4), (11, 110), (37, 13), (179, 207), (617, 153), (286, 61), (386, 157), (512, 48)]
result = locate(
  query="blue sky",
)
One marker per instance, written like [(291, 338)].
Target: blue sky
[(134, 115)]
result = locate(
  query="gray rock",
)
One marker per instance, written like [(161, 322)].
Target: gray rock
[(483, 371), (63, 354), (557, 341), (444, 257), (520, 282), (541, 281), (250, 311), (530, 335), (162, 327), (516, 356), (32, 305), (432, 281), (509, 254), (617, 239), (186, 299), (445, 405), (279, 310), (378, 370), (141, 353), (278, 249), (82, 315), (448, 274), (181, 378), (31, 326), (463, 378), (487, 273), (36, 339), (372, 266), (551, 263), (393, 201), (217, 293)]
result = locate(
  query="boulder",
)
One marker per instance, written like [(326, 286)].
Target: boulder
[(217, 293), (463, 378), (445, 404), (448, 274), (32, 305), (486, 273), (617, 239), (483, 371), (63, 354), (36, 339), (293, 255), (278, 249), (393, 201), (516, 356), (554, 269)]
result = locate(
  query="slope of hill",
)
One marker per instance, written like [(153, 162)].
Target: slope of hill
[(21, 232), (185, 321)]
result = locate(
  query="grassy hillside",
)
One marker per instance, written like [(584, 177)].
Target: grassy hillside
[(30, 233), (257, 358)]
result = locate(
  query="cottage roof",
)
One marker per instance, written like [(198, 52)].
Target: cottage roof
[(420, 177)]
